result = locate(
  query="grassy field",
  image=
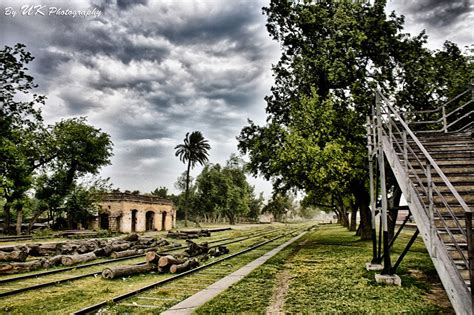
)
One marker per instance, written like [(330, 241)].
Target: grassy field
[(70, 296), (324, 273)]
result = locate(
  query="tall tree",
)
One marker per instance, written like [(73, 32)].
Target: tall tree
[(223, 190), (194, 150), (22, 135), (80, 150), (333, 55)]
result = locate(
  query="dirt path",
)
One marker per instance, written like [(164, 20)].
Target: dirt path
[(279, 293)]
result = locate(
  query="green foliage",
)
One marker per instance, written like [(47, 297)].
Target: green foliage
[(334, 54), (279, 205), (223, 190), (161, 192), (22, 136), (53, 158)]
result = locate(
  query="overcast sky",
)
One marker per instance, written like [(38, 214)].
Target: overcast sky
[(147, 72)]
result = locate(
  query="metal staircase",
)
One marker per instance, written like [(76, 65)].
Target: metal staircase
[(434, 168)]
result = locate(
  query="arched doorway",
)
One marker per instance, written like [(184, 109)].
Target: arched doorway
[(134, 220), (104, 221), (150, 218), (163, 221), (118, 221)]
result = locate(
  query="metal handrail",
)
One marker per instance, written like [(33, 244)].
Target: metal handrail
[(426, 154), (444, 117)]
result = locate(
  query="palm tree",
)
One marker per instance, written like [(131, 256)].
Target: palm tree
[(193, 150)]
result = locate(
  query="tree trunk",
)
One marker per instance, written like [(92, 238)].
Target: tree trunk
[(126, 253), (70, 260), (6, 216), (186, 196), (19, 217), (18, 255), (189, 264), (33, 220), (123, 271), (362, 198), (17, 267), (167, 261), (353, 225), (53, 261), (152, 258)]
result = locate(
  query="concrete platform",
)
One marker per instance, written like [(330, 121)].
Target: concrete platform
[(373, 267), (388, 279), (193, 302)]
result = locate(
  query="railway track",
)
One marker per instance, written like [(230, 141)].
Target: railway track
[(17, 287), (70, 296), (162, 294)]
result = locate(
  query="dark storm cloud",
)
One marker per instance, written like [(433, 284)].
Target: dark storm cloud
[(124, 4), (147, 72), (439, 13)]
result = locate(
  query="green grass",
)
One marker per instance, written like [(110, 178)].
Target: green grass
[(70, 296), (327, 275)]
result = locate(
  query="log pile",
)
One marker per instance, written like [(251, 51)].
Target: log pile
[(186, 235), (14, 259), (162, 263)]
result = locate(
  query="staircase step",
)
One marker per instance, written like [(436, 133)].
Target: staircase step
[(449, 163), (464, 274), (452, 154), (450, 222), (462, 189), (453, 179), (445, 148), (450, 199), (466, 170), (456, 210), (455, 254), (459, 238), (445, 142)]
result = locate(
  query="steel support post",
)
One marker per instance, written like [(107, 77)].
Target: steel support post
[(387, 269), (392, 241), (405, 251), (470, 253), (445, 121), (429, 182), (372, 190)]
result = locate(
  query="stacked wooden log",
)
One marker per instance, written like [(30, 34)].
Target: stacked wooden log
[(13, 259), (162, 263), (186, 235)]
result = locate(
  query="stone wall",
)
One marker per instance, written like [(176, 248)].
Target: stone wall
[(121, 208)]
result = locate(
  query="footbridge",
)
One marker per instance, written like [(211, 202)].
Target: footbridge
[(431, 154)]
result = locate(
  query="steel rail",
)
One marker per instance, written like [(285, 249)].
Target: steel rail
[(49, 272), (46, 284), (172, 278)]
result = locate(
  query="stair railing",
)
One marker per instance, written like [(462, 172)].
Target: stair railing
[(419, 167), (451, 115)]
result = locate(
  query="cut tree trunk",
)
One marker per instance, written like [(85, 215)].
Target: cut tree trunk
[(18, 255), (188, 265), (17, 267), (123, 271), (168, 260), (53, 261), (196, 249), (43, 249), (70, 260), (126, 253), (152, 258)]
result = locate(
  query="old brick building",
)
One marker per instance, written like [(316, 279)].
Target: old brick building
[(126, 212)]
